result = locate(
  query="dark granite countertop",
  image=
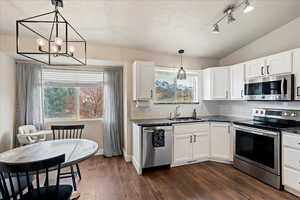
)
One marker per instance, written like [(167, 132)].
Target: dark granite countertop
[(167, 122)]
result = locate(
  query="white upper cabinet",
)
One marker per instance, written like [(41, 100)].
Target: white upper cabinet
[(143, 80), (296, 72), (237, 79), (271, 65), (255, 68), (279, 63), (216, 83)]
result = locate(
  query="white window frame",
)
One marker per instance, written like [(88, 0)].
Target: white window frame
[(174, 70), (68, 85)]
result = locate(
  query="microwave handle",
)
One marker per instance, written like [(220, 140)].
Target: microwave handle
[(282, 86)]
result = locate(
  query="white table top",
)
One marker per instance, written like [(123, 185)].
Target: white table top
[(75, 150)]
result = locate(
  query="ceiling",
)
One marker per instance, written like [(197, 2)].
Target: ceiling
[(161, 25)]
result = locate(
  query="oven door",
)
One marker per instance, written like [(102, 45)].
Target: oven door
[(258, 147), (270, 88)]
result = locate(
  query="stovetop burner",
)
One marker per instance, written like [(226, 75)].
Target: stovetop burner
[(270, 125)]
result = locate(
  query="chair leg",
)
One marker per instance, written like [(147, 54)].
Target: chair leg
[(73, 178), (78, 171)]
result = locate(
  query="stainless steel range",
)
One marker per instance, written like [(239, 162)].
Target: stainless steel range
[(258, 143)]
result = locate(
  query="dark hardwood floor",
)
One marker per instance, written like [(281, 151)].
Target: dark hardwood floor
[(114, 179)]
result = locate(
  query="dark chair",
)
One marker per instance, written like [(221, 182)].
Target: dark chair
[(47, 192), (68, 132)]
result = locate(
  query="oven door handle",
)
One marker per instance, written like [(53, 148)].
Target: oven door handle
[(256, 131)]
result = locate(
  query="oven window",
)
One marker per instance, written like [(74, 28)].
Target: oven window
[(257, 148)]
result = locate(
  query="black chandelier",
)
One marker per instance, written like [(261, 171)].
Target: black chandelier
[(50, 39)]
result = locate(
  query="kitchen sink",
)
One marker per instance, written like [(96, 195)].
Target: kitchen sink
[(185, 119)]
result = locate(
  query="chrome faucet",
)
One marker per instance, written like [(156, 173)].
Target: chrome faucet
[(176, 113)]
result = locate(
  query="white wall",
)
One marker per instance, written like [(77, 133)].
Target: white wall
[(281, 39), (7, 101)]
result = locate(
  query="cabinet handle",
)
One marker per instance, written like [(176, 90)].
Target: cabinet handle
[(195, 138), (191, 139), (242, 91), (151, 94), (268, 67), (298, 91), (262, 70)]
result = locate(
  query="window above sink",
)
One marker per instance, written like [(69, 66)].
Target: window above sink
[(169, 90)]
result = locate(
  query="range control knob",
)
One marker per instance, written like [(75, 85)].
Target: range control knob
[(293, 114), (285, 114)]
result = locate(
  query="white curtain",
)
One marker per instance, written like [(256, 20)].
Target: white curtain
[(29, 102), (113, 112)]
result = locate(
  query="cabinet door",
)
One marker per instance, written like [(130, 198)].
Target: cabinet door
[(237, 79), (200, 146), (255, 68), (296, 71), (143, 80), (220, 83), (183, 148), (220, 141), (279, 63)]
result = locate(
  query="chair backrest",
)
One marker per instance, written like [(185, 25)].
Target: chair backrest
[(27, 129), (67, 132), (9, 171)]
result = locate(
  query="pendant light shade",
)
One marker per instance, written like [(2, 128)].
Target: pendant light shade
[(181, 75)]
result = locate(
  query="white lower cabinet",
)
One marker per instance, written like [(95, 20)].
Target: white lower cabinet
[(220, 141), (201, 146), (201, 142), (291, 163), (183, 148), (191, 143)]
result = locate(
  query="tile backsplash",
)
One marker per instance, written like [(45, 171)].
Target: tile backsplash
[(229, 108)]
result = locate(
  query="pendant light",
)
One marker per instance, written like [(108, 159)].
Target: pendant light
[(181, 75)]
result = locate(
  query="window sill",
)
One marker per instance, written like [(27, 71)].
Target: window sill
[(48, 121)]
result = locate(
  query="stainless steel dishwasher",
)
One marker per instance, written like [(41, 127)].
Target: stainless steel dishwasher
[(157, 146)]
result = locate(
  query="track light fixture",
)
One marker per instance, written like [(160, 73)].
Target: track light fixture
[(216, 29), (228, 13)]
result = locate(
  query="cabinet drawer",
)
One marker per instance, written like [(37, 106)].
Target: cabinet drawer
[(291, 158), (291, 178), (291, 141), (191, 128)]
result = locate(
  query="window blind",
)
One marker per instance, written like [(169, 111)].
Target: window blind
[(71, 78)]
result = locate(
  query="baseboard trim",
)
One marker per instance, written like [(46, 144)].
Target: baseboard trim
[(100, 152), (292, 191), (127, 157)]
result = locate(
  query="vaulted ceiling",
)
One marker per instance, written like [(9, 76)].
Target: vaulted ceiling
[(161, 25)]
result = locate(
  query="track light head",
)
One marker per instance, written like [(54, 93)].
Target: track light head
[(216, 29), (230, 18), (248, 7)]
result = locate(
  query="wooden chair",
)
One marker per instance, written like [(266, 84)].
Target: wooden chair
[(68, 132), (47, 192)]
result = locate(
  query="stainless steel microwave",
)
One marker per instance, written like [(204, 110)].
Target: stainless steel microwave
[(271, 88)]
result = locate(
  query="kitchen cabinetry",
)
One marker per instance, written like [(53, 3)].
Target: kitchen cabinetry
[(191, 143), (237, 79), (255, 68), (216, 83), (271, 65), (220, 141), (143, 80), (291, 163), (279, 63), (296, 71)]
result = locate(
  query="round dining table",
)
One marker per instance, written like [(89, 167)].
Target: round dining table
[(75, 150)]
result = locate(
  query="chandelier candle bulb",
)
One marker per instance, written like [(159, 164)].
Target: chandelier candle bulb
[(58, 41)]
